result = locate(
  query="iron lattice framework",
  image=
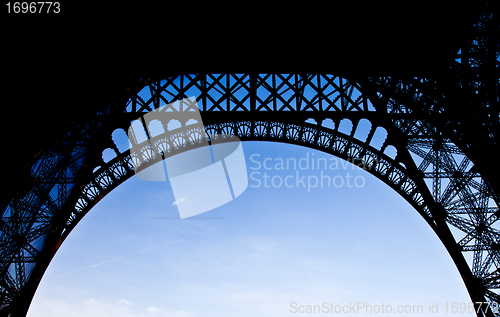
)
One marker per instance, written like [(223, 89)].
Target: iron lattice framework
[(405, 131)]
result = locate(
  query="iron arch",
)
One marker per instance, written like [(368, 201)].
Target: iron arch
[(72, 177)]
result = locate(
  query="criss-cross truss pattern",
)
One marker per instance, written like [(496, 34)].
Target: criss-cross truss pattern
[(404, 131)]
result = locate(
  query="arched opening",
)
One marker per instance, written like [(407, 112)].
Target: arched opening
[(155, 128), (328, 123), (173, 124), (311, 121), (391, 151), (271, 247), (362, 130), (121, 140), (108, 154), (378, 138), (138, 133), (345, 126), (191, 121)]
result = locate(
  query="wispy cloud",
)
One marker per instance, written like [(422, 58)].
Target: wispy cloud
[(92, 266), (118, 258), (180, 201), (122, 257), (146, 250), (190, 218)]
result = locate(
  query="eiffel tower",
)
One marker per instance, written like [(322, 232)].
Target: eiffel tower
[(439, 118)]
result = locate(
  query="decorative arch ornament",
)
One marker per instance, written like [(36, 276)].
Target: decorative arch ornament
[(424, 165)]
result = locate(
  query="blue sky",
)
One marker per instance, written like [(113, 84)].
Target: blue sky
[(254, 256)]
